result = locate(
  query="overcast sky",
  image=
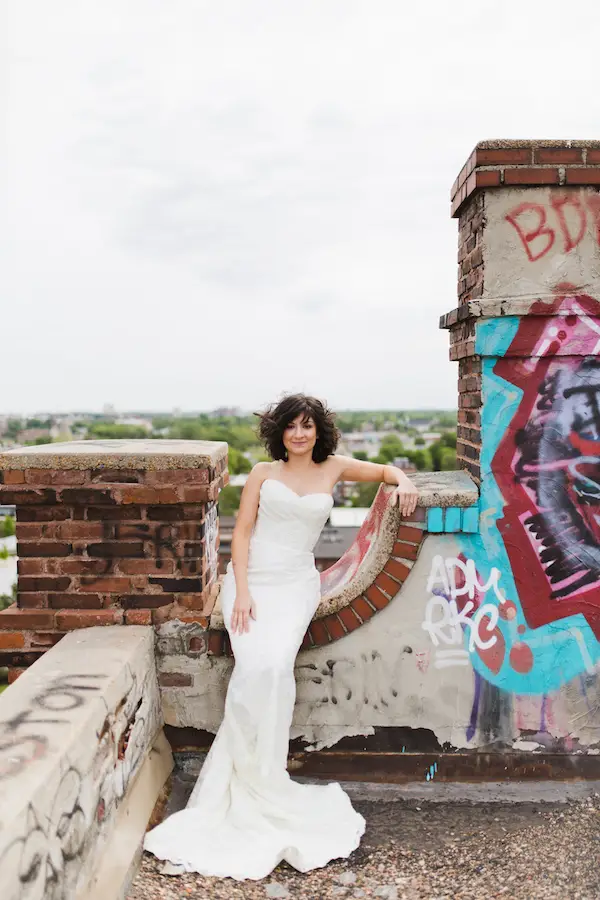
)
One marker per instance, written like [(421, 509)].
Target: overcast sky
[(211, 203)]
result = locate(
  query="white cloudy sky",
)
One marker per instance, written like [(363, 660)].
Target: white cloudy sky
[(209, 203)]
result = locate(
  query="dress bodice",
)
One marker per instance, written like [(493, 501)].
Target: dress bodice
[(288, 519)]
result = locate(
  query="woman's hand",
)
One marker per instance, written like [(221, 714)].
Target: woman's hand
[(243, 610), (406, 496)]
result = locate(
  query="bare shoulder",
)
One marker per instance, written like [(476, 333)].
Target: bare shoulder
[(337, 465), (260, 471)]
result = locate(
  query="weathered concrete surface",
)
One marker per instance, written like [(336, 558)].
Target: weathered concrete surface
[(118, 864), (494, 308), (75, 730), (498, 792), (118, 454), (509, 270), (445, 489)]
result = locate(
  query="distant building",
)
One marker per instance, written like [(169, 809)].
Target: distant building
[(33, 434), (404, 463), (135, 422), (368, 442), (61, 430), (420, 424)]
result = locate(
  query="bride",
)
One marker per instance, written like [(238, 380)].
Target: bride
[(245, 814)]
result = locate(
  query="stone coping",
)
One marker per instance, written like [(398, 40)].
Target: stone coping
[(497, 308), (118, 454), (436, 489), (499, 163), (445, 489)]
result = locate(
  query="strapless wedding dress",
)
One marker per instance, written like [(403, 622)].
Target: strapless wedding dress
[(245, 814)]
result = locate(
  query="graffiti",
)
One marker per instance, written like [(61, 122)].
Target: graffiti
[(211, 533), (454, 610), (444, 572), (549, 465), (342, 572), (124, 742), (351, 686), (181, 542), (562, 225), (64, 694), (46, 856)]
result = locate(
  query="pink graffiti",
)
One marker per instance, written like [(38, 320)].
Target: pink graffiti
[(344, 570)]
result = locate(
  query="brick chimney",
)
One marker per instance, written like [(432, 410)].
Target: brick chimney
[(529, 231)]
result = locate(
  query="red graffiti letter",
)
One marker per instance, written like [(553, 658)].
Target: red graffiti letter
[(593, 201), (558, 205), (527, 237)]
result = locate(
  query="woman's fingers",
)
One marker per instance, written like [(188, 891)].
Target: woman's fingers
[(240, 619), (407, 502)]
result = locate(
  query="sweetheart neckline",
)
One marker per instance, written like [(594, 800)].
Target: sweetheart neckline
[(292, 491)]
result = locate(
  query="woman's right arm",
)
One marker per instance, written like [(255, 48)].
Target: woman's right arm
[(243, 607)]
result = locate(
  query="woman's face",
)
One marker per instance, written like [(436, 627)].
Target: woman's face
[(300, 435)]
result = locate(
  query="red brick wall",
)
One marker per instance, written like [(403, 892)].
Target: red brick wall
[(470, 250), (108, 547)]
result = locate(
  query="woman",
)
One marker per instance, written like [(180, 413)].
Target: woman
[(245, 814)]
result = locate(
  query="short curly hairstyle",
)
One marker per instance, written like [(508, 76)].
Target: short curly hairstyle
[(275, 419)]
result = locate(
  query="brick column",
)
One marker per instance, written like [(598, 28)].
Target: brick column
[(109, 533), (529, 225)]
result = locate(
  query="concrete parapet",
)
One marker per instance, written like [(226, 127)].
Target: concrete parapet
[(82, 755)]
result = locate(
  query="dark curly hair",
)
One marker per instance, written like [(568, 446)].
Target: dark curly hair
[(275, 419)]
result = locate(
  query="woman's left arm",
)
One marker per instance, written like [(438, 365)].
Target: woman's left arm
[(406, 495)]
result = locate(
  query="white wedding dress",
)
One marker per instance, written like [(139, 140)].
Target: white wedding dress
[(245, 814)]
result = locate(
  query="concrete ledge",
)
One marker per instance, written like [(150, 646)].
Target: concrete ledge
[(553, 792), (120, 860), (75, 731), (119, 454), (445, 489), (498, 308)]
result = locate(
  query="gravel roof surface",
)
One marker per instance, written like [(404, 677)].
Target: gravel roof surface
[(435, 852)]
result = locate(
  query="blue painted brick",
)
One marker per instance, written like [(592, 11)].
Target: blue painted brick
[(452, 519), (470, 519), (435, 519)]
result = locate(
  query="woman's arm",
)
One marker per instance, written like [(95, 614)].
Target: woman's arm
[(406, 494), (240, 544)]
